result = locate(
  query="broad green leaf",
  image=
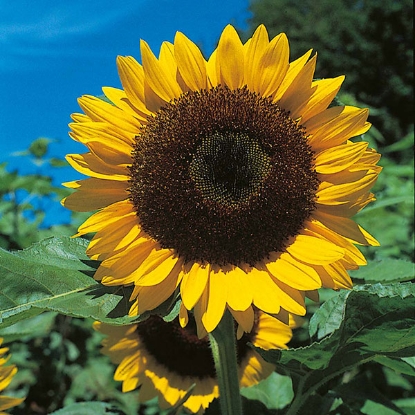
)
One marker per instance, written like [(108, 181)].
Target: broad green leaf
[(386, 270), (371, 407), (86, 408), (360, 390), (275, 392), (56, 275), (37, 326), (378, 320), (407, 405), (390, 201), (328, 316), (398, 365), (250, 406)]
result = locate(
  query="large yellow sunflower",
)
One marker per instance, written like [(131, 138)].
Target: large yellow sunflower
[(166, 360), (6, 375), (231, 179)]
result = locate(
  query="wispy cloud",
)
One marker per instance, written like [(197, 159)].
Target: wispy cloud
[(50, 21), (48, 29)]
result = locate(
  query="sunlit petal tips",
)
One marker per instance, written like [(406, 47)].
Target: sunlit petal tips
[(229, 179)]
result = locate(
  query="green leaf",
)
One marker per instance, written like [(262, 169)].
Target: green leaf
[(275, 392), (250, 406), (360, 391), (328, 316), (85, 408), (371, 407), (39, 147), (386, 270), (378, 320), (56, 275), (398, 365), (37, 326), (407, 405), (389, 201)]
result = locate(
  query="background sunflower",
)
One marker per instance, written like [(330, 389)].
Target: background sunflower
[(183, 373)]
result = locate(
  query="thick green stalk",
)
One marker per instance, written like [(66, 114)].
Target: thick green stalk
[(223, 345)]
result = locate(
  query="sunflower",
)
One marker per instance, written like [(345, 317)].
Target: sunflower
[(6, 375), (166, 361), (230, 180)]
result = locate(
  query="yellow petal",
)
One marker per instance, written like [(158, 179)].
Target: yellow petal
[(245, 318), (100, 131), (349, 123), (298, 94), (90, 165), (254, 49), (119, 98), (264, 291), (342, 193), (199, 314), (190, 62), (326, 116), (256, 369), (151, 297), (93, 194), (339, 158), (313, 250), (339, 275), (323, 95), (109, 214), (230, 59), (183, 316), (121, 269), (160, 77), (211, 70), (351, 253), (114, 154), (290, 299), (292, 272), (274, 65), (216, 299), (156, 267), (112, 235), (193, 284), (270, 294), (132, 79), (271, 333), (99, 110), (345, 227), (293, 70), (239, 289)]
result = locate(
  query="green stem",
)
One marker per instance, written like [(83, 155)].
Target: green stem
[(223, 345)]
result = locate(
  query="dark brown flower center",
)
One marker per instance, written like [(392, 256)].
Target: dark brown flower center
[(222, 176), (229, 168), (180, 350)]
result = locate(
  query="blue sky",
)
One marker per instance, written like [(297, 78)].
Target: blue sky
[(52, 52)]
